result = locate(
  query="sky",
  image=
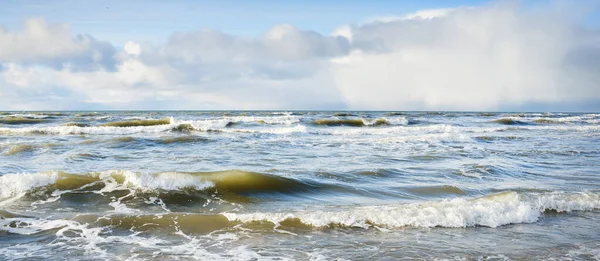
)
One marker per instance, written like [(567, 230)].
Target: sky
[(475, 55)]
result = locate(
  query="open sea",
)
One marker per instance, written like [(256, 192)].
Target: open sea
[(299, 185)]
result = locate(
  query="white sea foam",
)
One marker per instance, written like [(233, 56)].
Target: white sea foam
[(391, 121), (389, 130), (221, 123), (207, 125), (98, 130), (490, 211), (271, 130), (432, 138), (28, 226), (282, 120), (292, 124), (199, 125), (570, 119), (397, 120), (15, 185), (29, 115), (75, 236), (163, 181), (79, 236)]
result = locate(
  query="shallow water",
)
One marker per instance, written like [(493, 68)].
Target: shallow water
[(299, 185)]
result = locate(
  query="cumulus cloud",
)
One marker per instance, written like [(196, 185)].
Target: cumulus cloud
[(479, 58), (287, 42), (41, 43), (283, 52), (205, 69), (499, 56)]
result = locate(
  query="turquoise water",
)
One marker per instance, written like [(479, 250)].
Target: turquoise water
[(299, 185)]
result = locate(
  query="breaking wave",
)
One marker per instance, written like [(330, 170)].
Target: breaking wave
[(136, 123), (540, 119), (509, 121), (285, 125), (229, 181), (360, 122), (17, 120), (489, 211), (564, 120), (98, 130)]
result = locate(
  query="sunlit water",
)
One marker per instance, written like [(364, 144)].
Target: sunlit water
[(299, 186)]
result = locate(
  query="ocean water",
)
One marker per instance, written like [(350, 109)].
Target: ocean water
[(299, 185)]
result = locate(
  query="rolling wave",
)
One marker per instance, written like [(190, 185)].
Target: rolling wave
[(290, 124), (16, 120), (182, 139), (548, 119), (19, 149), (565, 120), (193, 127), (230, 181), (489, 211), (95, 130), (509, 121), (137, 123), (359, 122)]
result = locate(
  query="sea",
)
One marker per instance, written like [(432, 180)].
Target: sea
[(299, 185)]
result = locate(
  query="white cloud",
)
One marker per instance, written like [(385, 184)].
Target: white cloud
[(203, 69), (428, 14), (132, 48), (197, 70), (490, 57), (287, 42), (498, 56), (41, 43), (422, 14)]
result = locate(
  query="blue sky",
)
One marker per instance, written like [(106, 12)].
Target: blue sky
[(120, 21), (376, 55)]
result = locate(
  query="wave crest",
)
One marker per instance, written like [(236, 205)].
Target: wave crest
[(229, 181), (509, 121), (360, 122), (137, 123), (14, 120), (489, 211)]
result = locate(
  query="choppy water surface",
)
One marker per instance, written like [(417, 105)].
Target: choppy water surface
[(299, 185)]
